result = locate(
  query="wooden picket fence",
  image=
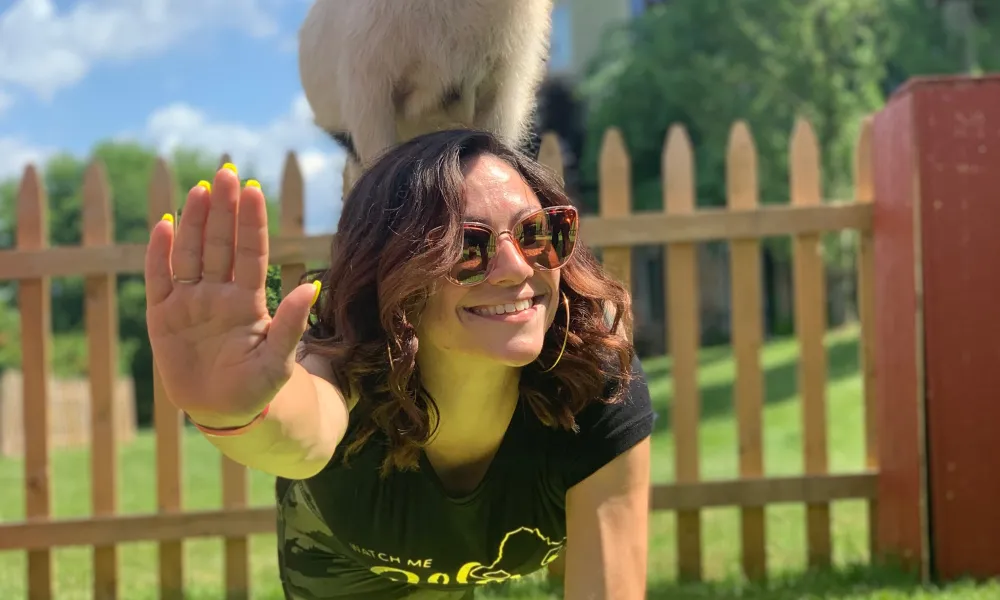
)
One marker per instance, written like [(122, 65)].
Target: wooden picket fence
[(680, 226)]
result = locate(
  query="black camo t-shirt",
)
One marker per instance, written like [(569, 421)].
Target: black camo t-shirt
[(347, 533)]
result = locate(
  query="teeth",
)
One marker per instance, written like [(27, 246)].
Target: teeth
[(499, 309)]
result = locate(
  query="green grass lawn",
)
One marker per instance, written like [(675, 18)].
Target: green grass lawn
[(851, 580)]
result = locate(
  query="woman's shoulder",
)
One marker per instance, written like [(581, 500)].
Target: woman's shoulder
[(609, 426), (625, 398)]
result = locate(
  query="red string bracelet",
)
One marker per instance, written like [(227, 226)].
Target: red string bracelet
[(231, 431)]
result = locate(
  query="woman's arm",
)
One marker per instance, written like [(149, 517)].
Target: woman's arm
[(607, 522), (305, 422)]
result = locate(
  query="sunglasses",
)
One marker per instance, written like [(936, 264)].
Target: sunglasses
[(545, 238)]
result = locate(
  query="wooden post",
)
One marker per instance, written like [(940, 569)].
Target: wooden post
[(937, 288)]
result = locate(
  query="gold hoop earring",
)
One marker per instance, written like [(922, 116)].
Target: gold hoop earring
[(565, 335)]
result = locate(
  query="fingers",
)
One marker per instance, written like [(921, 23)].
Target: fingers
[(250, 262), (158, 274), (289, 320), (220, 228), (190, 232), (218, 240)]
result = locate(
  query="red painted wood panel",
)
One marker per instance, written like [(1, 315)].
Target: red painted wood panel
[(937, 247), (897, 351), (958, 131)]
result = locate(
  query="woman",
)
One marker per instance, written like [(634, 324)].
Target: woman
[(443, 421)]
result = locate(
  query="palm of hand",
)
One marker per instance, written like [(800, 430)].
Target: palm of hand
[(217, 349)]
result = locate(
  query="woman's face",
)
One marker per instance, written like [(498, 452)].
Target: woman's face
[(464, 320)]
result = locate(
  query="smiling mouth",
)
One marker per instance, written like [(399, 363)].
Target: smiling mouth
[(506, 309)]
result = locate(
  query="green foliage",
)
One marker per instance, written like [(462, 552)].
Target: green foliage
[(708, 63), (919, 42), (69, 349), (10, 337), (273, 286)]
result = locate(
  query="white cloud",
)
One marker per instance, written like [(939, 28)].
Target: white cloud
[(16, 153), (262, 148), (44, 49)]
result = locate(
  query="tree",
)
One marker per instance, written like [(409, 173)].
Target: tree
[(707, 63)]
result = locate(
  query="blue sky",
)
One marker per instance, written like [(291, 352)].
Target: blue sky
[(221, 75)]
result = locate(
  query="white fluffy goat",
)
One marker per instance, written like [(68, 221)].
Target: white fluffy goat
[(379, 72)]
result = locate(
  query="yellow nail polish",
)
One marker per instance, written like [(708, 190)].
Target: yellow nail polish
[(253, 183), (168, 217), (231, 167), (317, 285), (206, 185)]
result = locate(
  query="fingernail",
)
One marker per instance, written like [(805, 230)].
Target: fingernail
[(168, 217), (231, 167), (206, 185), (317, 285), (253, 183)]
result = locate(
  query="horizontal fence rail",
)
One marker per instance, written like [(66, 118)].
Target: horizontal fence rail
[(707, 225), (239, 522)]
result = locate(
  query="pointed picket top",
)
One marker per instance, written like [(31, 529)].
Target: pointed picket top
[(615, 173), (742, 186), (804, 165), (678, 172), (32, 211), (97, 215), (550, 154), (613, 150), (162, 199), (864, 176), (292, 200)]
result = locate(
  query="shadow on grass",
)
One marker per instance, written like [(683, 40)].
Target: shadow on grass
[(780, 382), (849, 582), (707, 356)]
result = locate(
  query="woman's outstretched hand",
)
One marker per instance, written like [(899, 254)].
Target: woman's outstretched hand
[(220, 355)]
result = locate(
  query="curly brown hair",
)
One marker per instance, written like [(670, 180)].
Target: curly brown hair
[(401, 229)]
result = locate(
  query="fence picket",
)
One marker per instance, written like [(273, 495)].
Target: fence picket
[(550, 154), (101, 315), (34, 301), (684, 335), (292, 217), (809, 278), (615, 200), (166, 419), (742, 192), (864, 182)]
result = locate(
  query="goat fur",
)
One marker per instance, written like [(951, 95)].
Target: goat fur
[(379, 72)]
